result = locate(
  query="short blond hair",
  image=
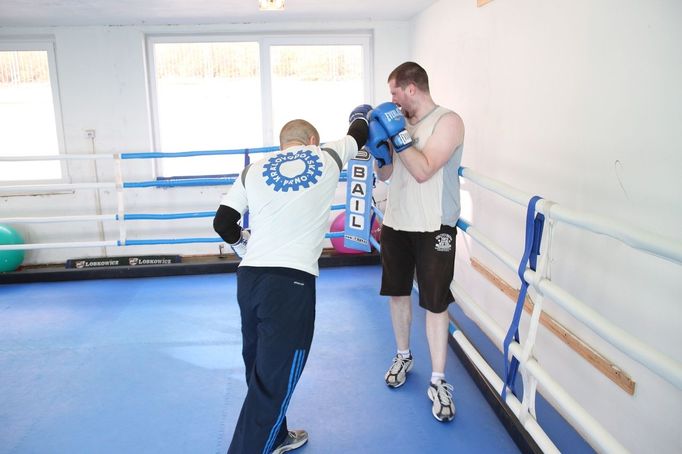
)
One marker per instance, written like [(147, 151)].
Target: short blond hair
[(298, 131)]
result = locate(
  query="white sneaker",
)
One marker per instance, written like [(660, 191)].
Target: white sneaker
[(397, 373), (294, 440), (443, 408)]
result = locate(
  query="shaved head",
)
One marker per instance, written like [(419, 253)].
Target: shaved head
[(298, 132)]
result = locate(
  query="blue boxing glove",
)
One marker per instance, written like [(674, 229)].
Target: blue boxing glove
[(362, 111), (377, 144), (392, 120)]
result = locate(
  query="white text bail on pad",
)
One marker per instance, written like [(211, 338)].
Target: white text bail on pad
[(359, 202)]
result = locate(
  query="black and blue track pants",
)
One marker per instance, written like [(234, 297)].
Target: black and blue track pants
[(277, 308)]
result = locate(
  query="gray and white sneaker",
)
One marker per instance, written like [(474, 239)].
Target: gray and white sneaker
[(397, 373), (443, 408), (294, 440)]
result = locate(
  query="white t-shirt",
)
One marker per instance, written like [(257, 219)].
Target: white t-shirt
[(288, 195)]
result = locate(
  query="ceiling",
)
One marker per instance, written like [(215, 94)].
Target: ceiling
[(39, 13)]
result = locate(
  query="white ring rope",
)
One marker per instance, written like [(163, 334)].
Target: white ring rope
[(666, 248)]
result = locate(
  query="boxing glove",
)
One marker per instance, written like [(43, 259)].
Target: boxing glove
[(377, 144), (239, 247), (362, 111), (392, 120)]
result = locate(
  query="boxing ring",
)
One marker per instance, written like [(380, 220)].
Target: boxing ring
[(519, 400)]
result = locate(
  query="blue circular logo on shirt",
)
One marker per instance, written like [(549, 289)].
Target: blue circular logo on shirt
[(292, 170)]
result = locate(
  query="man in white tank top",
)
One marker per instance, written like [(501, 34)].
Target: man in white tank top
[(419, 224)]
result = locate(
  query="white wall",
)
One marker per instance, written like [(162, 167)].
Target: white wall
[(580, 102), (103, 86)]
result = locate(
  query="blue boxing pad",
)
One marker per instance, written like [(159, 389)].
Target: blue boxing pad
[(377, 144), (392, 120)]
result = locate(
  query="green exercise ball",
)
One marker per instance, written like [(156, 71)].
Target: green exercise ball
[(10, 260)]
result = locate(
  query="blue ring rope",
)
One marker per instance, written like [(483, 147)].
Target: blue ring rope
[(190, 215), (170, 241), (534, 226), (152, 216), (184, 154), (194, 240), (183, 182)]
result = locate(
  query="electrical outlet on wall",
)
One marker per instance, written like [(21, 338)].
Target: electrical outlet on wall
[(89, 133)]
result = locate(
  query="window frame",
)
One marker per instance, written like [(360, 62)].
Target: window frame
[(47, 44), (265, 41)]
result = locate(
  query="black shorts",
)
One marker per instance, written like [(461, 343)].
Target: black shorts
[(431, 254)]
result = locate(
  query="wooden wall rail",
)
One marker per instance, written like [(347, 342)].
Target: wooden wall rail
[(613, 372)]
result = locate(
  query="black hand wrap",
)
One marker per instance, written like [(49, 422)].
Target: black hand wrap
[(359, 130), (225, 224)]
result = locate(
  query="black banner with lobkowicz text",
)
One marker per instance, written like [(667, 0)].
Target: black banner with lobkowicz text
[(134, 260)]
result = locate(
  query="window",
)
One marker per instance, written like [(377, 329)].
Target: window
[(208, 98), (237, 93), (320, 83), (29, 125)]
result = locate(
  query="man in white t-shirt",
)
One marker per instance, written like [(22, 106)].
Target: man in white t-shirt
[(288, 195)]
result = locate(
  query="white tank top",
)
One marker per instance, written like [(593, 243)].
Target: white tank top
[(423, 207)]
